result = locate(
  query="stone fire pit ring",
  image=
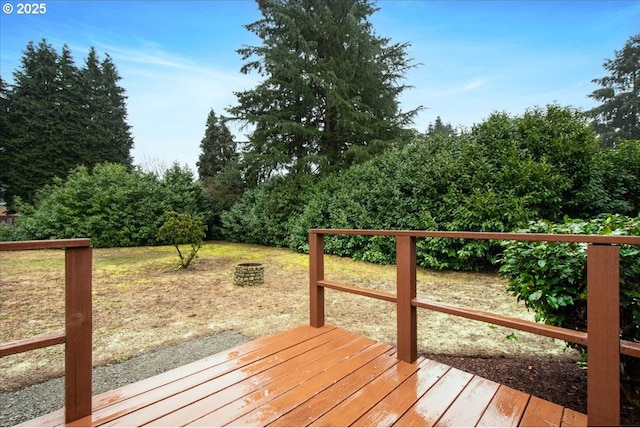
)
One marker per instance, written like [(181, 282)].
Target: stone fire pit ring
[(248, 274)]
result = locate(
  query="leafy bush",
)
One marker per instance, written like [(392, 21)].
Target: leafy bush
[(181, 229), (263, 214), (504, 173), (497, 177), (621, 178), (551, 279), (112, 206), (7, 233)]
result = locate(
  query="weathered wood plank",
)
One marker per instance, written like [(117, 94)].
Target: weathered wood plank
[(468, 408), (506, 408), (32, 343), (124, 400), (432, 405), (78, 332), (571, 418), (270, 411), (541, 413), (246, 351), (322, 377), (44, 245), (266, 384), (310, 410), (330, 362), (52, 419), (603, 328), (222, 375), (388, 410), (201, 386), (349, 410)]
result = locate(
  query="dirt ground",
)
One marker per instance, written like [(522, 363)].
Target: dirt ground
[(141, 302)]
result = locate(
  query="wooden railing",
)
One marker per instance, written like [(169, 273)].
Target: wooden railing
[(78, 323), (603, 305)]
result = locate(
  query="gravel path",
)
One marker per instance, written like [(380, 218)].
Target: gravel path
[(28, 403)]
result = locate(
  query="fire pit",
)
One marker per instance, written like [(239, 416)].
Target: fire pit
[(248, 274)]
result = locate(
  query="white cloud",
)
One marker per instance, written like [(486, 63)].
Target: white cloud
[(474, 84)]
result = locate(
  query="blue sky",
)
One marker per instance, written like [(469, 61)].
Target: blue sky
[(177, 59)]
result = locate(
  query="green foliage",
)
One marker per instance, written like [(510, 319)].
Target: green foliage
[(618, 117), (505, 172), (218, 148), (112, 206), (621, 177), (439, 127), (562, 154), (498, 177), (57, 116), (7, 233), (551, 279), (221, 193), (330, 92), (263, 214), (219, 171), (180, 229)]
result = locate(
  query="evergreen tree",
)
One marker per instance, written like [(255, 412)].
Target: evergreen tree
[(329, 97), (59, 117), (5, 133), (35, 137), (618, 117), (440, 128), (219, 170), (91, 80), (116, 141), (218, 148), (69, 101)]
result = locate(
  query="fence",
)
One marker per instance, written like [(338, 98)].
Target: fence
[(77, 336), (603, 305)]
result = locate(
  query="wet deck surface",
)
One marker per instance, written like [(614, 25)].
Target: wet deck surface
[(320, 377)]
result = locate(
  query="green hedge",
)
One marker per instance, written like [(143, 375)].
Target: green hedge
[(495, 178), (111, 205)]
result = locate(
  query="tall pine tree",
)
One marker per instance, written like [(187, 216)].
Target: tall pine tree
[(219, 170), (116, 141), (59, 117), (218, 148), (330, 92), (7, 135), (618, 117), (35, 136)]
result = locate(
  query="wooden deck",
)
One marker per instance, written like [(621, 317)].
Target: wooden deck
[(317, 376)]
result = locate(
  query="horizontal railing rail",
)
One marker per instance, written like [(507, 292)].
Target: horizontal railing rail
[(603, 306), (77, 336)]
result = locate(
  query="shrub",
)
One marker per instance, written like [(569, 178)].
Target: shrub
[(504, 173), (182, 229), (550, 278), (112, 206), (263, 214), (621, 178)]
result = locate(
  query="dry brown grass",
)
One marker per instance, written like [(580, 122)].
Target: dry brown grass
[(140, 302)]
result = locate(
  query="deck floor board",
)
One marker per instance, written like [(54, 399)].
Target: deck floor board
[(318, 377)]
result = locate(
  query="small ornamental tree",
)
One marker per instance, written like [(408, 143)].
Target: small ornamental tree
[(182, 229)]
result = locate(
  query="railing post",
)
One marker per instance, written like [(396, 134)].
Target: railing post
[(603, 330), (407, 335), (316, 273), (78, 326)]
